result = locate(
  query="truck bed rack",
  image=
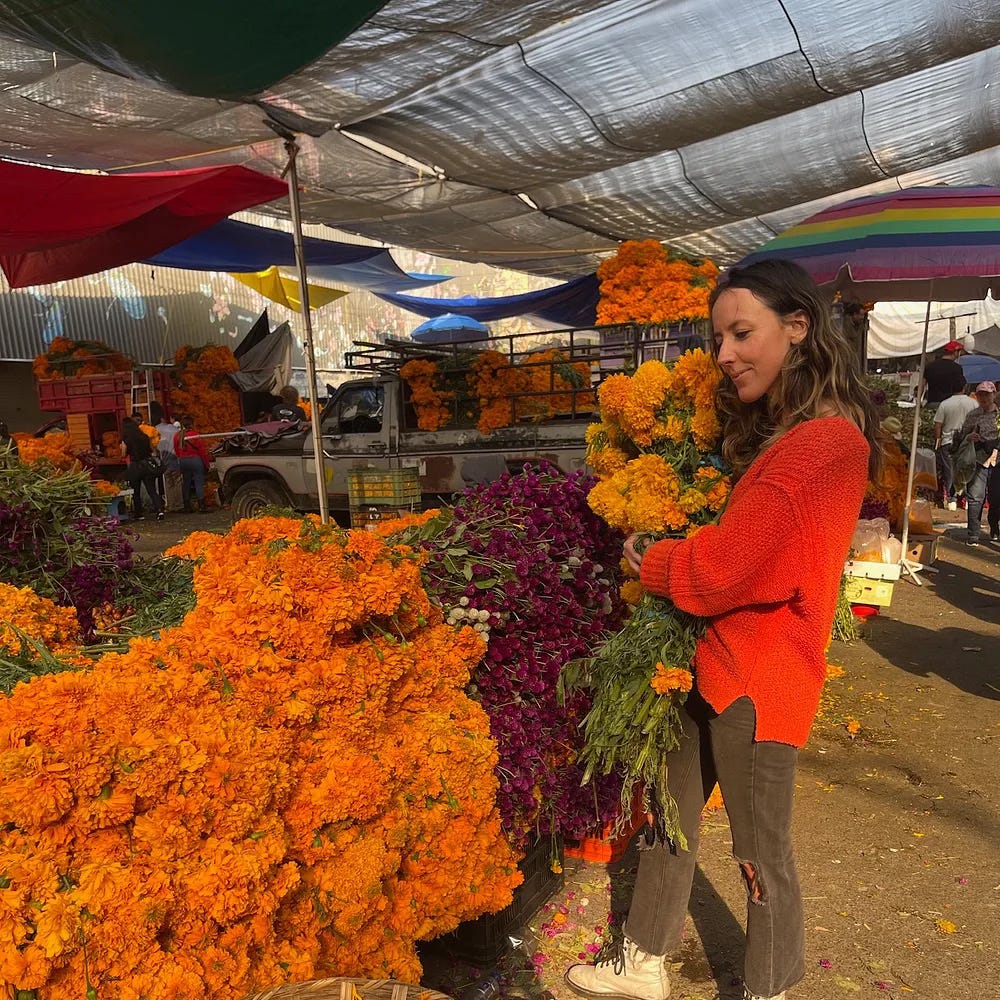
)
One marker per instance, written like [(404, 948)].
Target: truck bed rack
[(621, 347)]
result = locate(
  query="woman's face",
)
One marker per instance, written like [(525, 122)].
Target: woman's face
[(752, 340)]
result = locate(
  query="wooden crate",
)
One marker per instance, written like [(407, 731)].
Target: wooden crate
[(78, 428)]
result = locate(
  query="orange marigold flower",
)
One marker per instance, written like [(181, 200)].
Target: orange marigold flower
[(667, 679)]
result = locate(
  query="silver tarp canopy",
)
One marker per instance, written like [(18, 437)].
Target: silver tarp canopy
[(534, 135)]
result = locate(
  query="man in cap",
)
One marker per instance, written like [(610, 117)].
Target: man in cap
[(981, 427), (944, 377)]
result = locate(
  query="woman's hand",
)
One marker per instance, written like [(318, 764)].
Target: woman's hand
[(635, 545)]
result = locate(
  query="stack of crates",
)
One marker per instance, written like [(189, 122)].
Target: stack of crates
[(381, 494)]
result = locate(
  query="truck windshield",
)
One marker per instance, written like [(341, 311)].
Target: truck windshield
[(358, 410)]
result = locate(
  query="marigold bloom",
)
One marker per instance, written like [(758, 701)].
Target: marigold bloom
[(667, 679)]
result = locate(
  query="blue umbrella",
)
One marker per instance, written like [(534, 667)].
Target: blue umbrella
[(980, 368), (451, 328)]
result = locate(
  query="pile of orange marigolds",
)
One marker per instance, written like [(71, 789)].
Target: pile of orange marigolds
[(290, 784)]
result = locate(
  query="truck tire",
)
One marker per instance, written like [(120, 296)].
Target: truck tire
[(252, 497)]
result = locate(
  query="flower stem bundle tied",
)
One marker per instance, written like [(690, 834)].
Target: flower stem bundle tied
[(654, 451)]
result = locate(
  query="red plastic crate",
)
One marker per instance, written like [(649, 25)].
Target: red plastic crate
[(111, 393), (607, 848), (87, 394)]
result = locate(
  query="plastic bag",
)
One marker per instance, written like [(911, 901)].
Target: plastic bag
[(892, 550), (925, 469), (868, 539), (965, 463), (921, 518)]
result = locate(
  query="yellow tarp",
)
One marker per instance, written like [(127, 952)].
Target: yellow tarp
[(285, 291)]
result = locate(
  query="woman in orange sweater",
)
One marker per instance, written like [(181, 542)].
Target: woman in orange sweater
[(801, 436)]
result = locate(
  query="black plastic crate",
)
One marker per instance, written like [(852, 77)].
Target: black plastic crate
[(484, 941)]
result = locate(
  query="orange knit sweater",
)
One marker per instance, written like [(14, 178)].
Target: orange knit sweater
[(768, 573)]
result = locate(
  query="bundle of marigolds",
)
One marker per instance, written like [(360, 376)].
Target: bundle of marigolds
[(55, 538), (491, 390), (291, 783), (67, 358), (654, 451), (528, 565), (56, 449), (647, 283), (203, 390)]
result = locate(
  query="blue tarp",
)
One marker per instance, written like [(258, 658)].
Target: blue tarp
[(241, 247), (573, 304), (377, 274)]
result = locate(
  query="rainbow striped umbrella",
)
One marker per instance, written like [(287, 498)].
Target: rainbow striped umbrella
[(918, 244)]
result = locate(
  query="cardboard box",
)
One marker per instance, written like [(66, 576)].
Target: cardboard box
[(922, 549), (860, 590)]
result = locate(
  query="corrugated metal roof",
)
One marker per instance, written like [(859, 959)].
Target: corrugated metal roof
[(144, 313)]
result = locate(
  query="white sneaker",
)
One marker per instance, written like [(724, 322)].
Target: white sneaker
[(641, 977), (952, 505)]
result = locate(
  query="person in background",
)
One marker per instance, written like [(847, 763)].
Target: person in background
[(169, 483), (137, 448), (981, 427), (948, 419), (194, 462), (7, 444), (288, 408), (894, 428), (945, 376), (802, 437), (144, 424)]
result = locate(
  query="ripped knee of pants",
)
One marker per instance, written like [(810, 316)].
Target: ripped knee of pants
[(754, 883)]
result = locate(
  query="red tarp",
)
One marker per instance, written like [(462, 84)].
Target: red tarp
[(55, 224)]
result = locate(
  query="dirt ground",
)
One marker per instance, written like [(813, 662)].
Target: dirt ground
[(897, 825)]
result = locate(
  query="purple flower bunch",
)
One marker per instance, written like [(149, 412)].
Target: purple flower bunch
[(51, 541), (92, 582), (528, 564), (871, 510)]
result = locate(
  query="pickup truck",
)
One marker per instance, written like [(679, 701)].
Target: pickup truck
[(371, 423)]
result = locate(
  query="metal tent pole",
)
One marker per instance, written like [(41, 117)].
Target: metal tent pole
[(292, 149), (911, 567)]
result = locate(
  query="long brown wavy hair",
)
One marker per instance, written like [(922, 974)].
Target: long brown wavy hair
[(818, 374)]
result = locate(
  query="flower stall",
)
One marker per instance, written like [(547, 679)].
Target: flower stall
[(290, 783)]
